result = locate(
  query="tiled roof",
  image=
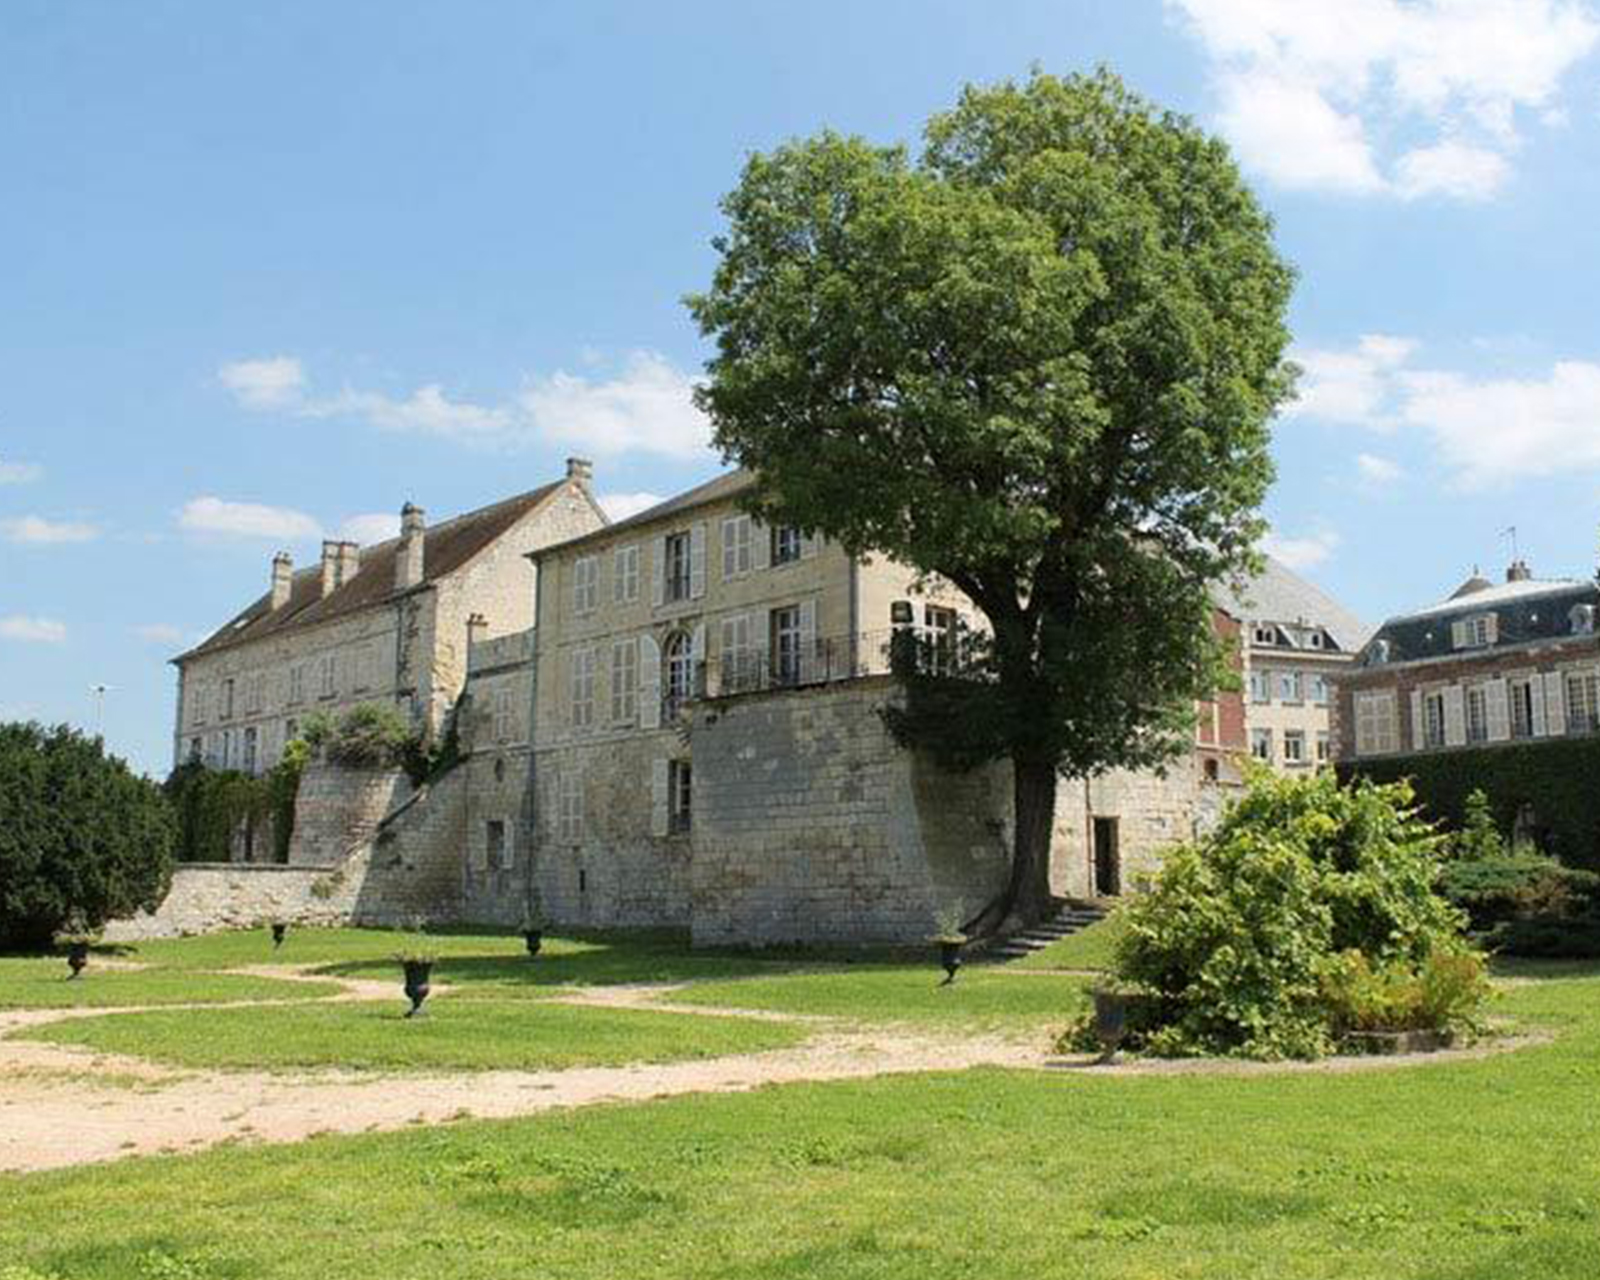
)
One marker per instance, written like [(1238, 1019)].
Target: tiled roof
[(1280, 595), (724, 486), (1526, 610), (446, 547)]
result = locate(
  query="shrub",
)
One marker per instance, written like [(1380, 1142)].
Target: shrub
[(82, 837), (372, 735), (212, 805), (1239, 931), (1445, 991)]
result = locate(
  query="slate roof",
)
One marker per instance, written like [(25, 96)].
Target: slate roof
[(447, 546), (1527, 610), (1280, 595), (724, 486)]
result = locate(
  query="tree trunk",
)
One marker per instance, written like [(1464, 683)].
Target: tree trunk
[(1027, 898)]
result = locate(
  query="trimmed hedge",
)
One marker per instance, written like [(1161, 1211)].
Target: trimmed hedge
[(1559, 777)]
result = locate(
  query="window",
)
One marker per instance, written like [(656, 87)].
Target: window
[(1433, 719), (1289, 686), (227, 699), (1314, 639), (197, 704), (502, 715), (1377, 731), (1319, 689), (680, 791), (582, 688), (326, 675), (1583, 702), (1294, 746), (291, 730), (737, 547), (625, 575), (1477, 713), (941, 624), (227, 748), (297, 682), (1263, 634), (786, 544), (249, 751), (585, 584), (624, 680), (194, 750), (680, 668), (678, 567), (1521, 697), (1475, 633), (569, 806), (494, 838), (1261, 686), (1324, 747), (785, 645), (1261, 744)]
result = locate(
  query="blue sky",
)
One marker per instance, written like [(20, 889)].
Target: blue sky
[(269, 271)]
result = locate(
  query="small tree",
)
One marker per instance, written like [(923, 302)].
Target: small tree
[(82, 838), (1479, 838), (1038, 363)]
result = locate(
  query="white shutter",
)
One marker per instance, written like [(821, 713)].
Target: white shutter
[(730, 568), (809, 667), (658, 571), (649, 683), (1492, 628), (1555, 703), (1458, 635), (760, 546), (659, 774), (1455, 717), (1536, 705), (697, 561), (1417, 730), (697, 659), (1498, 706)]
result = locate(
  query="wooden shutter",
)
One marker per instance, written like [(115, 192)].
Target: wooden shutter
[(760, 545), (1455, 717), (660, 776), (1418, 730), (810, 668), (1555, 703), (1459, 635), (697, 658), (697, 561), (649, 683), (658, 571), (730, 567), (1536, 714), (1497, 705)]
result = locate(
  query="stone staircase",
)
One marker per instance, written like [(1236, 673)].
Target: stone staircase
[(1073, 916)]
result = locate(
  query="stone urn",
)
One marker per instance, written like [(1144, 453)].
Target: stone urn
[(1110, 1020), (533, 939), (77, 958), (279, 932), (417, 971), (950, 957)]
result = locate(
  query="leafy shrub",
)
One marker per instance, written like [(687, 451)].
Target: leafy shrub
[(1240, 929), (372, 735), (81, 836), (212, 805), (1445, 991)]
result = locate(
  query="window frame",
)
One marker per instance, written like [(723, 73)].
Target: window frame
[(677, 567)]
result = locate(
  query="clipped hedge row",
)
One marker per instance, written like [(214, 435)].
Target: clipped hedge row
[(1559, 777)]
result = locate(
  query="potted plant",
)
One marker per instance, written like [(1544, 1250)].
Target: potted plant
[(532, 929), (417, 963), (77, 938), (949, 939), (279, 930)]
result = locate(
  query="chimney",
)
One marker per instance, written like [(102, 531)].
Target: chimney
[(349, 561), (330, 568), (408, 566), (580, 470), (1519, 571), (282, 579), (477, 627)]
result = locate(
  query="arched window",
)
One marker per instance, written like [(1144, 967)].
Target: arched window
[(680, 667)]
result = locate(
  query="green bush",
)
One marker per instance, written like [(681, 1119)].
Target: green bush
[(1446, 990), (372, 735), (82, 838), (212, 805), (1238, 933)]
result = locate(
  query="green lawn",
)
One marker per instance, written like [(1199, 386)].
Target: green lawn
[(980, 996), (1466, 1170), (1089, 948), (40, 982), (452, 1034)]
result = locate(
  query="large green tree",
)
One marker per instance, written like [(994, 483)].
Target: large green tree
[(1038, 362), (82, 838)]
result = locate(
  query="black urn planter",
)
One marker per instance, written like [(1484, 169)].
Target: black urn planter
[(1110, 1021), (77, 958), (534, 938), (417, 974), (949, 959), (278, 933)]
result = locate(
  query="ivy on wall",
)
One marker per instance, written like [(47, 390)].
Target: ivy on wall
[(214, 805), (1558, 777)]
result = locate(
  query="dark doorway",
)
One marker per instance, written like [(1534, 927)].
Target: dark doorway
[(1107, 860)]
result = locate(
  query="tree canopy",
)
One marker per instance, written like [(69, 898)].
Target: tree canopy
[(1039, 361)]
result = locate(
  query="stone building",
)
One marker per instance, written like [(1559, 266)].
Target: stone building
[(387, 623), (1294, 640), (1492, 663)]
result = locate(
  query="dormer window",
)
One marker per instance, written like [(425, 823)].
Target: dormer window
[(1475, 633), (1266, 635), (1582, 616)]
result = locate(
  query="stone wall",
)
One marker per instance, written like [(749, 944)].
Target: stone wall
[(338, 809), (811, 824)]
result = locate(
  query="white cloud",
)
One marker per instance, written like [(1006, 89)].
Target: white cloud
[(1311, 93), (247, 519), (272, 382), (646, 406), (367, 529), (160, 633), (18, 626), (39, 531), (19, 472), (1301, 553), (619, 506), (1349, 385), (1378, 472)]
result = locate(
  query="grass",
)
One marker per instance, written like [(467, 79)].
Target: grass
[(1090, 948), (1464, 1170), (40, 982), (980, 996), (452, 1035)]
